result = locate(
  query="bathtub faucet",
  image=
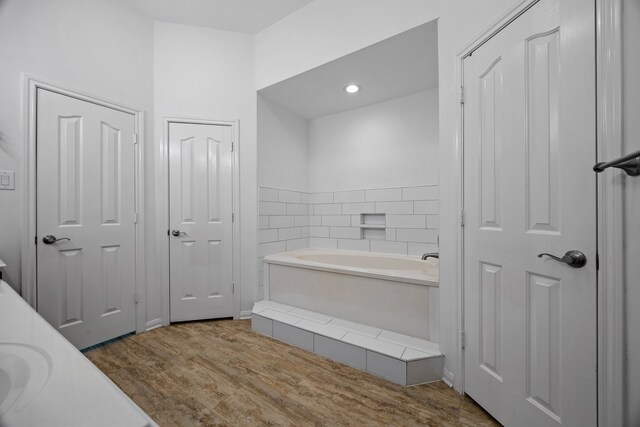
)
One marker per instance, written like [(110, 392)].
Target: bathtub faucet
[(431, 255)]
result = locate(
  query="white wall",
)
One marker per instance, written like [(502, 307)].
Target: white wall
[(325, 30), (283, 147), (207, 73), (101, 48), (631, 142), (389, 144)]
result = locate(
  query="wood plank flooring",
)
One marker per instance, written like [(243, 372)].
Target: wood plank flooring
[(220, 373)]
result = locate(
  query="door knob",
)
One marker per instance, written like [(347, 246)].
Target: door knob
[(177, 233), (50, 239), (575, 259)]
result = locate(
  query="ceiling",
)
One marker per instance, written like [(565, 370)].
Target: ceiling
[(245, 16), (395, 67)]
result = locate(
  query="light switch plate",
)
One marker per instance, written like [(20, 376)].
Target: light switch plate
[(7, 180)]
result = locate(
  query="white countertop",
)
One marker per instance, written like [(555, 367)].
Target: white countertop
[(46, 381)]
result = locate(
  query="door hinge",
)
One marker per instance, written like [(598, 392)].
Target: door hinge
[(597, 261), (233, 144), (168, 233), (461, 94), (233, 217), (135, 138), (233, 288), (136, 297), (462, 339), (35, 240), (135, 217), (462, 218)]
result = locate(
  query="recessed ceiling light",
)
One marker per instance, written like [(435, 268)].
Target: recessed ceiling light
[(351, 88)]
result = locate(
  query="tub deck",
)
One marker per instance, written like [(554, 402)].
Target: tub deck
[(392, 292)]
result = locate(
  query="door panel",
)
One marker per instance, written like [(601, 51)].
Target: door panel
[(530, 322), (85, 192), (201, 210)]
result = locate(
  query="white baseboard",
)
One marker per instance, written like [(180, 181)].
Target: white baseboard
[(448, 377), (152, 324), (246, 314)]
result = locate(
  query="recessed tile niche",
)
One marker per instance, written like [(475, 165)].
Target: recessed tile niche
[(373, 226)]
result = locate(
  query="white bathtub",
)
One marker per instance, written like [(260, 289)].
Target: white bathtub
[(393, 292)]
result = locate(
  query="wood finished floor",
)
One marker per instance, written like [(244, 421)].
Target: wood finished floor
[(221, 373)]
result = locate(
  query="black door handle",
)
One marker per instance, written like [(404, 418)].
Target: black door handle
[(573, 258)]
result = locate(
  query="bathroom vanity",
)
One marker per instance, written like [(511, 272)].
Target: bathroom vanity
[(45, 380)]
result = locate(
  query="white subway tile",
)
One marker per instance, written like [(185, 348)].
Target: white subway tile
[(288, 233), (324, 243), (418, 249), (297, 209), (357, 208), (270, 235), (416, 235), (384, 195), (288, 196), (394, 207), (429, 192), (389, 247), (302, 220), (356, 220), (336, 220), (263, 222), (272, 208), (304, 198), (433, 221), (327, 209), (348, 196), (390, 234), (345, 232), (272, 248), (319, 231), (295, 244), (281, 221), (353, 245), (304, 231), (268, 194), (426, 207), (315, 220), (320, 198), (407, 221)]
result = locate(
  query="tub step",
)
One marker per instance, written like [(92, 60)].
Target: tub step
[(396, 357)]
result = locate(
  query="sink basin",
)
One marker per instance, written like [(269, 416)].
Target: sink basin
[(24, 370)]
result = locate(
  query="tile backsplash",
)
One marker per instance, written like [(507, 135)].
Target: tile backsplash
[(290, 220)]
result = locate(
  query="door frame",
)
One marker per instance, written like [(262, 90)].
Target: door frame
[(610, 281), (163, 218), (28, 164)]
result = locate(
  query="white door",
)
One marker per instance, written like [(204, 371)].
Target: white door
[(85, 198), (529, 146), (200, 217)]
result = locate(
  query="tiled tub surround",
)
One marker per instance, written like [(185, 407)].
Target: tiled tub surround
[(291, 220), (396, 357), (394, 292)]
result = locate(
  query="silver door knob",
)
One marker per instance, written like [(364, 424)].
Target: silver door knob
[(50, 239), (575, 259), (177, 233)]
